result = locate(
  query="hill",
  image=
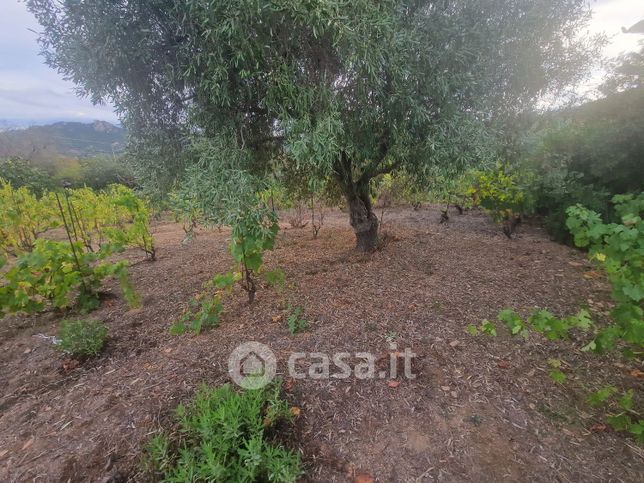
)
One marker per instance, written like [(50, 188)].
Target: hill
[(75, 140)]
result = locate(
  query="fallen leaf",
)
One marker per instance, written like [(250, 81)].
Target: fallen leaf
[(454, 343), (503, 364), (636, 373), (69, 364), (276, 318), (288, 385), (591, 274), (295, 411), (363, 478), (393, 383), (598, 427)]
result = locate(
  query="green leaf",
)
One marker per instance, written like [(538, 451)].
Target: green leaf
[(488, 328), (601, 395), (557, 376), (619, 422), (626, 401)]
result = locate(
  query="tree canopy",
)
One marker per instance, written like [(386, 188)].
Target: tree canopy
[(345, 90)]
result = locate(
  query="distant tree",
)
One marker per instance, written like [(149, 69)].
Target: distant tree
[(347, 89), (626, 72), (19, 172)]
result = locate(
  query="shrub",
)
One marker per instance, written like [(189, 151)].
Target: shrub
[(19, 172), (81, 338), (226, 435), (557, 189), (23, 218), (501, 194), (619, 248), (61, 273)]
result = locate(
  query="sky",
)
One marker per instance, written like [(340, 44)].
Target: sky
[(30, 90)]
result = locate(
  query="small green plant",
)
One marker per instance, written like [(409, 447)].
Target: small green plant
[(601, 395), (622, 417), (555, 373), (275, 278), (513, 322), (487, 328), (294, 320), (391, 336), (204, 310), (540, 321), (224, 435), (252, 234), (81, 338)]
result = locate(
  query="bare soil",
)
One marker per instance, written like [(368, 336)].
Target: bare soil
[(480, 408)]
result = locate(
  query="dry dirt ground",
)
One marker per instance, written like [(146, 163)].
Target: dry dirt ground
[(480, 408)]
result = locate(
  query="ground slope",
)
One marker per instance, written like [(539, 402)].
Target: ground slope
[(480, 408)]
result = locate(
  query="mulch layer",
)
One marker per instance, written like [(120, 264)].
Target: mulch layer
[(480, 408)]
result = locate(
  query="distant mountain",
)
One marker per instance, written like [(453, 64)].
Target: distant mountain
[(73, 140)]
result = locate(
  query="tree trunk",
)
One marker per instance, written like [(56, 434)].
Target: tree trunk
[(361, 217)]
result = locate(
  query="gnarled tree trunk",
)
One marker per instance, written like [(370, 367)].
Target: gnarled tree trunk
[(361, 217)]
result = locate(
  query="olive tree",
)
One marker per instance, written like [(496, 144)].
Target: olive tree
[(346, 90)]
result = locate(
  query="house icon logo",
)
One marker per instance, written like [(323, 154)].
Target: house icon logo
[(252, 365)]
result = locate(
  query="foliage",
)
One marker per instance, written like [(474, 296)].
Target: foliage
[(225, 436), (296, 323), (61, 273), (100, 172), (45, 271), (347, 90), (556, 189), (545, 323), (619, 249), (23, 218), (18, 173), (251, 236), (115, 215), (601, 395), (185, 210), (486, 327), (585, 154), (622, 416), (501, 193), (555, 372), (626, 73), (275, 278), (81, 338), (133, 227), (204, 310)]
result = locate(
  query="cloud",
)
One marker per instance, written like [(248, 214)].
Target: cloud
[(28, 88), (609, 16)]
